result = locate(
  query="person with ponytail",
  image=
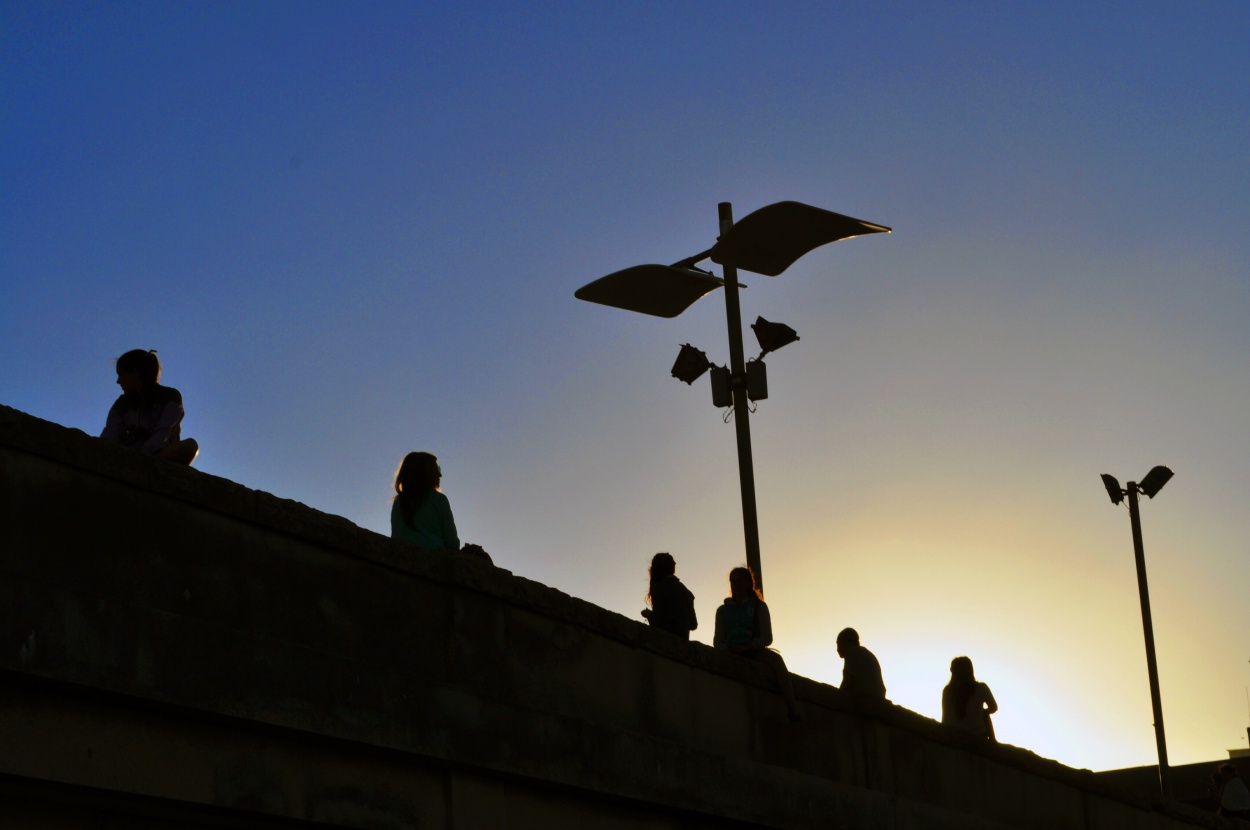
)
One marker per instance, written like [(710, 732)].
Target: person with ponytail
[(148, 417)]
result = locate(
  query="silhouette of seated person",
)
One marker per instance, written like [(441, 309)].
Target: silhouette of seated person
[(670, 604), (420, 513), (148, 417), (861, 673), (966, 703), (1231, 794), (744, 627)]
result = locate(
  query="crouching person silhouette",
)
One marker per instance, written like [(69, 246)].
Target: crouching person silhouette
[(420, 513), (148, 417), (744, 627)]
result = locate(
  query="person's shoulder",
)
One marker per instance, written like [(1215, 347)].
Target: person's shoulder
[(166, 394), (863, 658)]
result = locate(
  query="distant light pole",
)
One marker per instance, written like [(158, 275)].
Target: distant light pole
[(766, 242), (1150, 485)]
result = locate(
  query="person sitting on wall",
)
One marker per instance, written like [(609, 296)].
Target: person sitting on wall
[(148, 417), (420, 513), (744, 627), (861, 673), (1231, 793), (670, 604), (966, 703)]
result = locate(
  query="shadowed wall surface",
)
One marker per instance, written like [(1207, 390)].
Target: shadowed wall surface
[(178, 650)]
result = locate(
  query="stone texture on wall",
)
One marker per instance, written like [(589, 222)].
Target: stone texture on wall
[(178, 647)]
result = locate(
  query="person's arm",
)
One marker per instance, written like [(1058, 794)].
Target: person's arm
[(170, 417), (694, 621), (397, 520), (113, 426), (991, 705), (720, 639), (451, 541), (763, 626)]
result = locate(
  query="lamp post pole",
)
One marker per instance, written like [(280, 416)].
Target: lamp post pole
[(1165, 777), (765, 242), (742, 424)]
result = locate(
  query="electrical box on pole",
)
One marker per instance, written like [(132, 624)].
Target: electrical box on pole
[(757, 380), (722, 396)]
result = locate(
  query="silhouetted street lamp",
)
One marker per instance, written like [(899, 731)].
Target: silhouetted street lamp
[(766, 242), (1150, 485)]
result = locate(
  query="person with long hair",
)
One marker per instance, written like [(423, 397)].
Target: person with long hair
[(967, 703), (744, 627), (670, 605), (420, 513), (148, 417)]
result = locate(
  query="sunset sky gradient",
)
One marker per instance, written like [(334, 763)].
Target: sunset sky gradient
[(354, 230)]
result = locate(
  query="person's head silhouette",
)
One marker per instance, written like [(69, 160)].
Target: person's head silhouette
[(742, 585), (138, 370), (662, 564), (418, 474), (961, 670), (848, 638)]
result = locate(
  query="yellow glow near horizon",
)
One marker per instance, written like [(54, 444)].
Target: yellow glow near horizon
[(1036, 620)]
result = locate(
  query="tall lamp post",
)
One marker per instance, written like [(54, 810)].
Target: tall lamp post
[(1150, 485), (766, 242)]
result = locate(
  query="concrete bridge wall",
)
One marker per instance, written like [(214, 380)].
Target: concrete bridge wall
[(177, 650)]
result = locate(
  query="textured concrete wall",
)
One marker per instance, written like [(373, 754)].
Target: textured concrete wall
[(177, 649)]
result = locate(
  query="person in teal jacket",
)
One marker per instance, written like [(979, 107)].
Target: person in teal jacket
[(420, 513), (744, 627)]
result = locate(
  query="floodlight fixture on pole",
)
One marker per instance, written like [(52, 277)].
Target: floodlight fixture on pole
[(772, 336), (1150, 486), (1154, 480), (1113, 488), (691, 363), (767, 241)]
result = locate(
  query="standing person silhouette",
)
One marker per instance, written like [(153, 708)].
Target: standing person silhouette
[(861, 673), (148, 417), (966, 703), (420, 513), (744, 627), (670, 604)]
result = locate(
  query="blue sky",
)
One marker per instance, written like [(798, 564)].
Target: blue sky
[(354, 230)]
